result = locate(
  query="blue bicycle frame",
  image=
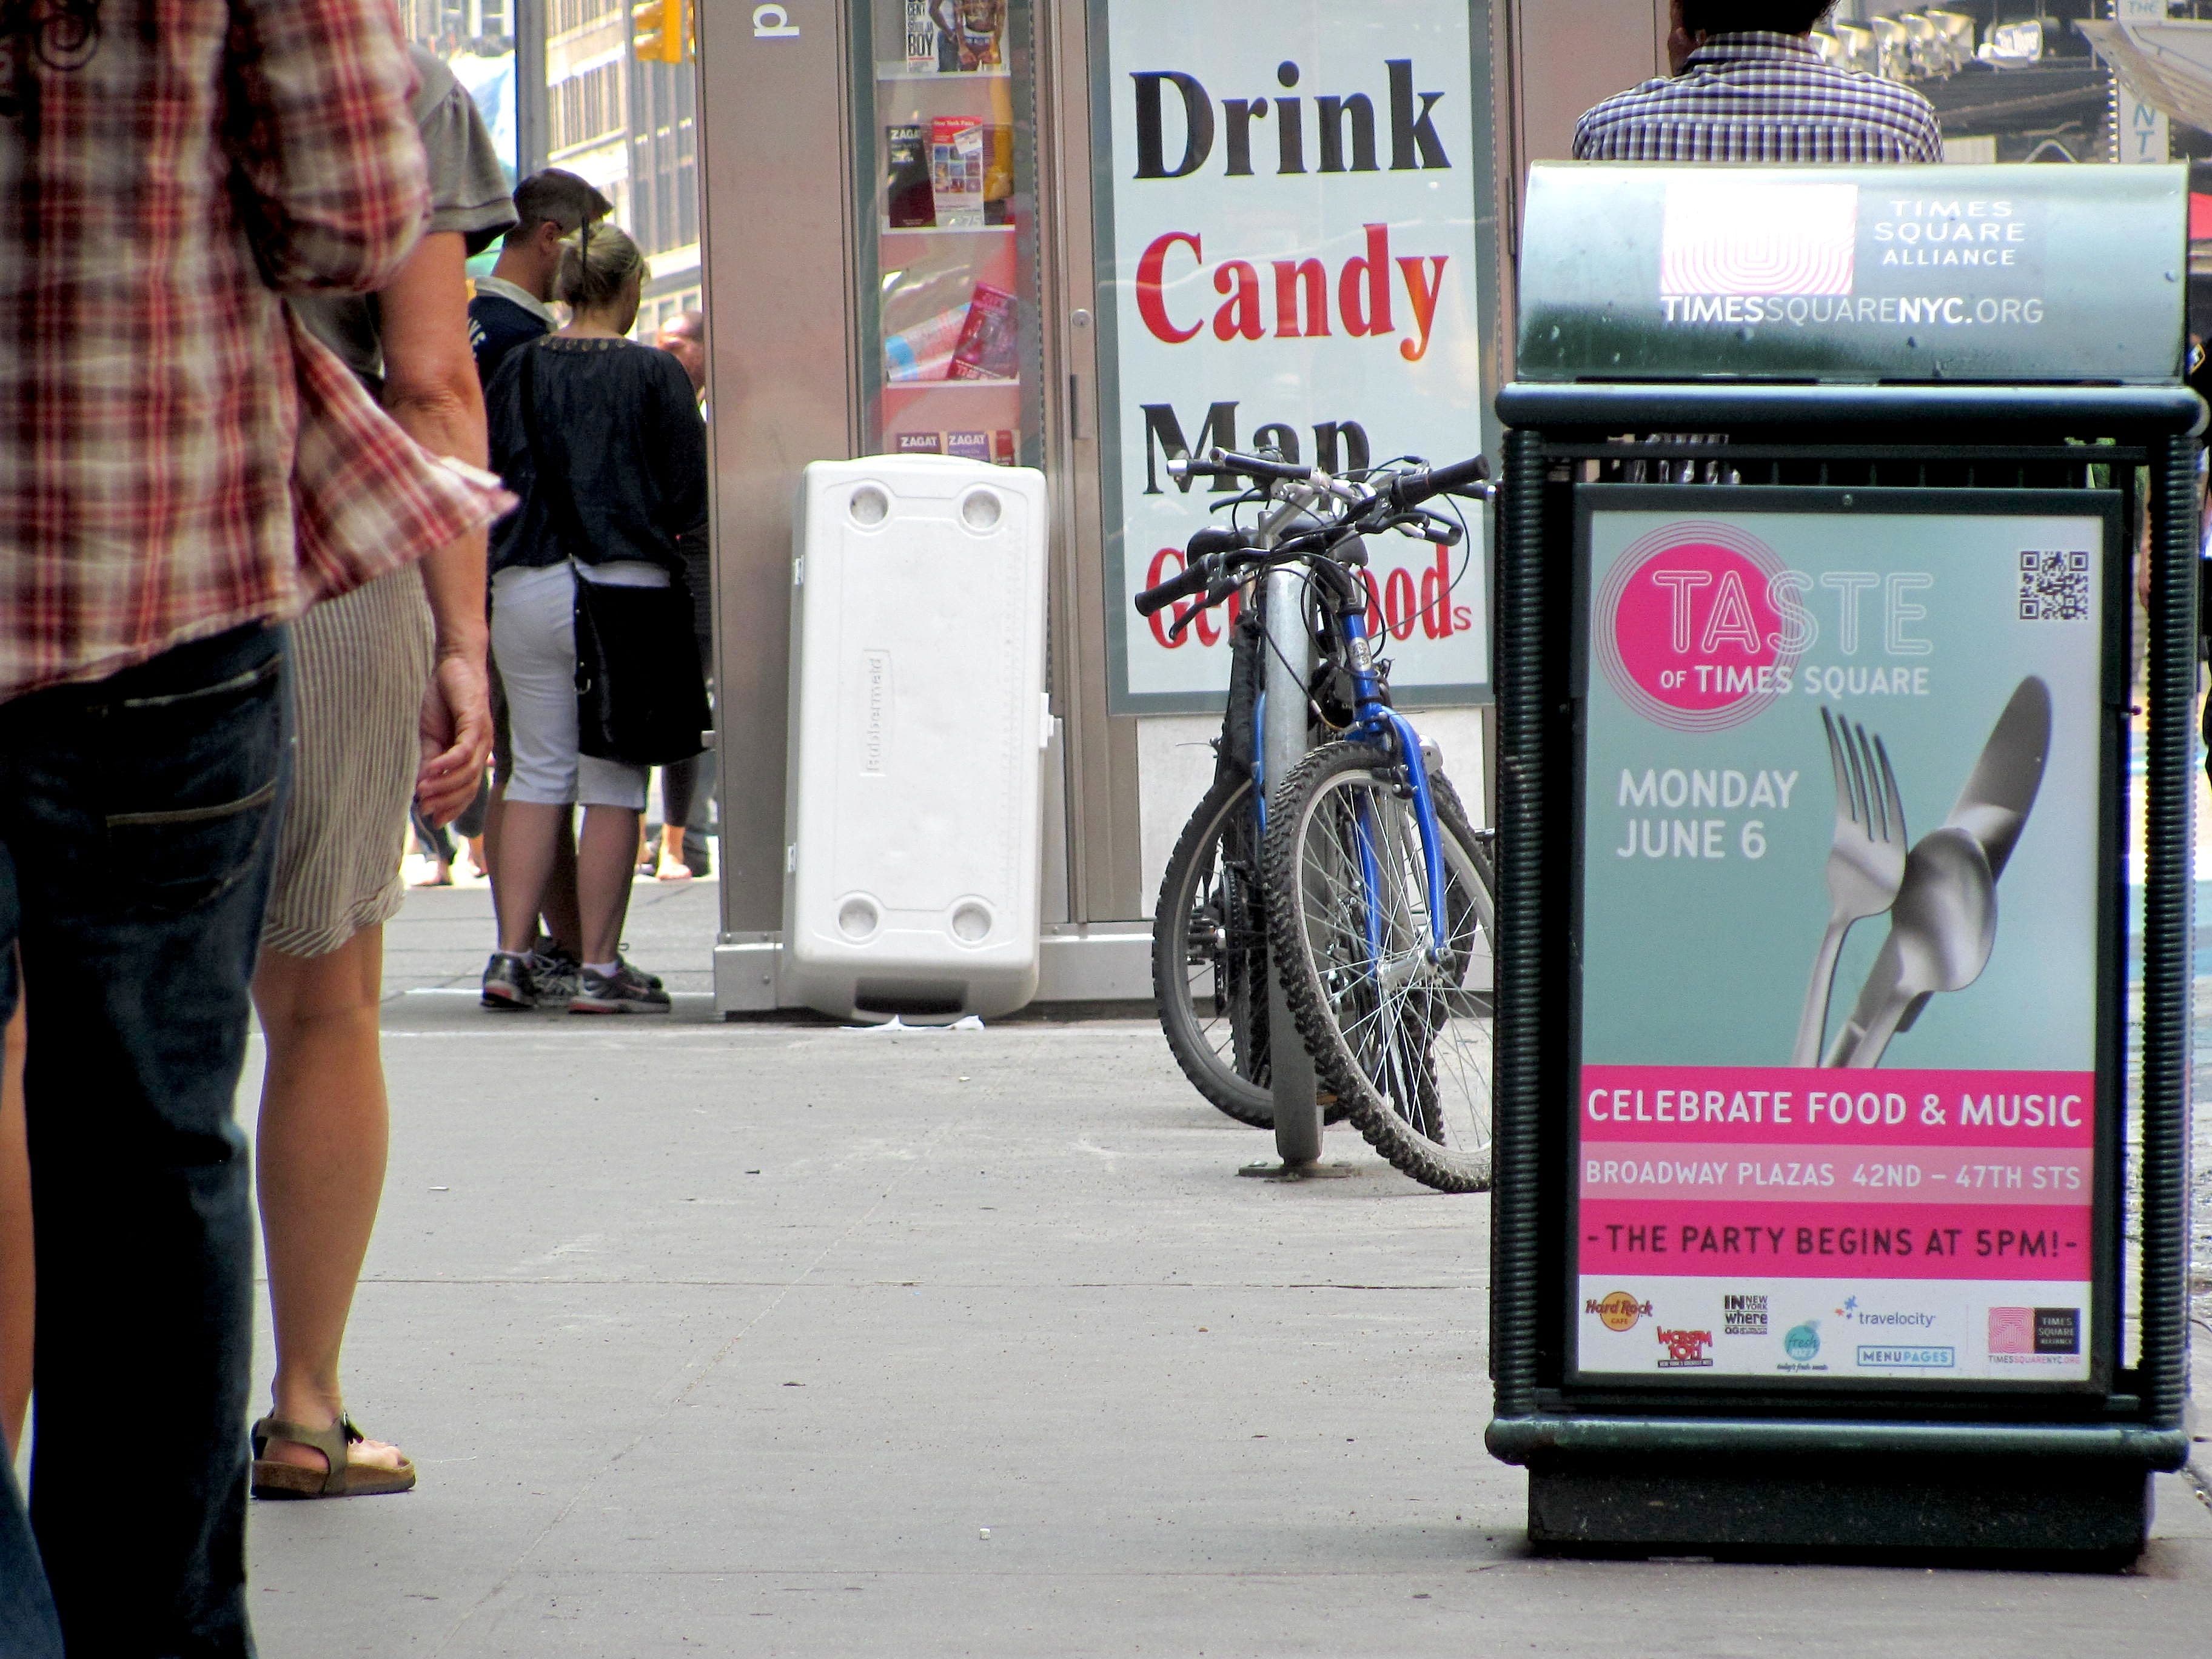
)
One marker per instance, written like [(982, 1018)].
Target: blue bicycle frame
[(1375, 721)]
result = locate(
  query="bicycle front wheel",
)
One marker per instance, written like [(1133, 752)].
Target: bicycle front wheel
[(1398, 1015)]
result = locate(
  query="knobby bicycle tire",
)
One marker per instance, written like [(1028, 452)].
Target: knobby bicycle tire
[(1229, 1064), (1410, 1059)]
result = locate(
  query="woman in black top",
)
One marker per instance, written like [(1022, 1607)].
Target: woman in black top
[(618, 429)]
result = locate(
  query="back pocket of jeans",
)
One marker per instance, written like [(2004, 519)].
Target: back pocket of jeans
[(193, 782)]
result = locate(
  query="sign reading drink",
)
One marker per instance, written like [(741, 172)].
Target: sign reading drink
[(1836, 1107), (1290, 251)]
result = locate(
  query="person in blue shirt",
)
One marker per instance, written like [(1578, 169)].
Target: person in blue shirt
[(513, 304)]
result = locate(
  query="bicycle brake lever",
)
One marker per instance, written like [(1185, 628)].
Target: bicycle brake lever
[(1215, 595)]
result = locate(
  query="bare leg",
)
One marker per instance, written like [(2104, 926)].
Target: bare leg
[(494, 818), (18, 1284), (557, 900), (528, 853), (320, 1167), (558, 903), (607, 863), (672, 867)]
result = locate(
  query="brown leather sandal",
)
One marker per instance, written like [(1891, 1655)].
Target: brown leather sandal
[(343, 1478)]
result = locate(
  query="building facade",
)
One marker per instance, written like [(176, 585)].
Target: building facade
[(626, 126)]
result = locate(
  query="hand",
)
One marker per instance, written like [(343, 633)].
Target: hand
[(455, 732)]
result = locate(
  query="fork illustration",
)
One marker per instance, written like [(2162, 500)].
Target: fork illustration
[(1866, 862)]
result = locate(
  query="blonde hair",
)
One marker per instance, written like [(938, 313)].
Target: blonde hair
[(597, 264)]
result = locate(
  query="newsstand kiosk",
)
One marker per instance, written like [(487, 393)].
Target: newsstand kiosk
[(1843, 1040)]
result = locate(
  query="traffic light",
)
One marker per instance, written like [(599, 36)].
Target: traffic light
[(659, 32)]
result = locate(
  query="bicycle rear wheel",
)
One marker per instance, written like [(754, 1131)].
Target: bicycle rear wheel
[(1401, 1033), (1210, 955)]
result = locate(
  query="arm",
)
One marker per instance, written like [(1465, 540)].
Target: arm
[(329, 169), (679, 460), (430, 388)]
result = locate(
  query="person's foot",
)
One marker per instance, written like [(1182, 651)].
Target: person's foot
[(556, 971), (625, 991), (508, 983), (441, 875), (362, 1454), (673, 869)]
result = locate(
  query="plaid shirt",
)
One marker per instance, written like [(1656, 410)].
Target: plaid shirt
[(1758, 96), (176, 459)]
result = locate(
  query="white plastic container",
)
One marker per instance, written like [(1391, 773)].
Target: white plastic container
[(918, 726)]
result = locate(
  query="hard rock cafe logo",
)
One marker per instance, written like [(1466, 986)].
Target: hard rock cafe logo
[(1618, 1311), (1684, 1348)]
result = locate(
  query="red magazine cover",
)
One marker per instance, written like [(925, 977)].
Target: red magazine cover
[(988, 348)]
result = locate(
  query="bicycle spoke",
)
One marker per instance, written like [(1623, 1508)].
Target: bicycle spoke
[(1417, 1029)]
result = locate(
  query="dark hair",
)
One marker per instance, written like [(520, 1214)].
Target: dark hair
[(555, 198), (1733, 16)]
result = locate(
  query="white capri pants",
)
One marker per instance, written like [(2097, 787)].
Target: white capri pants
[(533, 639)]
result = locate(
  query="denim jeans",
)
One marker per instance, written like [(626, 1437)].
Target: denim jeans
[(137, 827)]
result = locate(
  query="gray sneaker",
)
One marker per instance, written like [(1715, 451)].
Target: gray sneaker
[(625, 991), (556, 973)]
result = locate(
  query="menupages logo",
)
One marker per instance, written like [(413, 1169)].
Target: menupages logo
[(1696, 627)]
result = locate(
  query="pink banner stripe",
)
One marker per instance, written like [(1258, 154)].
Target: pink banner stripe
[(1715, 1105), (1834, 1240), (1842, 1174)]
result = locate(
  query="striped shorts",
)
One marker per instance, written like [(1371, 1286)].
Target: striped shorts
[(361, 662)]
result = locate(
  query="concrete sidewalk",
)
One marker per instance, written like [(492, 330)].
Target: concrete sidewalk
[(735, 1340)]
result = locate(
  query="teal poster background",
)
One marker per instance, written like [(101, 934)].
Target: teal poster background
[(1704, 959)]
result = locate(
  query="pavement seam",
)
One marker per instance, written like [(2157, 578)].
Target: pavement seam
[(668, 1407)]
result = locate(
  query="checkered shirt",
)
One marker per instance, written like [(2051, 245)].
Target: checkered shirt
[(176, 459), (1759, 96)]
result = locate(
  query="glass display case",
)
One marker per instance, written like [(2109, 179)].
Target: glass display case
[(949, 233)]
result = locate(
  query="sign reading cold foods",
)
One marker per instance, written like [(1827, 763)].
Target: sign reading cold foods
[(1836, 1111), (1292, 261)]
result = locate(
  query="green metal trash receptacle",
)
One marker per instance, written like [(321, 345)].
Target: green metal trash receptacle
[(1841, 1199)]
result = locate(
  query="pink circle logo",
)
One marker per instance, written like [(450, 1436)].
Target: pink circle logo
[(1689, 630)]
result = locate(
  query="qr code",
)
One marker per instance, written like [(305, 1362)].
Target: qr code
[(2054, 587)]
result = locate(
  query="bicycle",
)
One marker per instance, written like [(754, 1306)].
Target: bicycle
[(1210, 925), (1378, 894)]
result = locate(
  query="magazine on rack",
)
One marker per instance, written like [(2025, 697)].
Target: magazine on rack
[(957, 147), (977, 27), (988, 350), (908, 203)]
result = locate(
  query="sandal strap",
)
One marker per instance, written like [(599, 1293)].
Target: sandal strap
[(330, 1442)]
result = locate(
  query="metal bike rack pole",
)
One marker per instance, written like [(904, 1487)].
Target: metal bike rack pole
[(1288, 671)]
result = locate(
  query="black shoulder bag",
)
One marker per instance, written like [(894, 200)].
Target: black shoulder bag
[(641, 696)]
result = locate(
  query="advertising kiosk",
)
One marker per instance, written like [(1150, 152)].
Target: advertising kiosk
[(1842, 1074)]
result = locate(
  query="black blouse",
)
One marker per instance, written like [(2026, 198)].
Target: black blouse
[(623, 419)]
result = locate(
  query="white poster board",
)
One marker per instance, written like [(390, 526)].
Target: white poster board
[(1290, 257)]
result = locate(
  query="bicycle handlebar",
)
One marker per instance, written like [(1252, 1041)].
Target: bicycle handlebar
[(1411, 489), (1219, 462), (1197, 576)]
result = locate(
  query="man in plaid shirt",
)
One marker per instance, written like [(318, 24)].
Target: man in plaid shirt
[(180, 471), (1749, 87)]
